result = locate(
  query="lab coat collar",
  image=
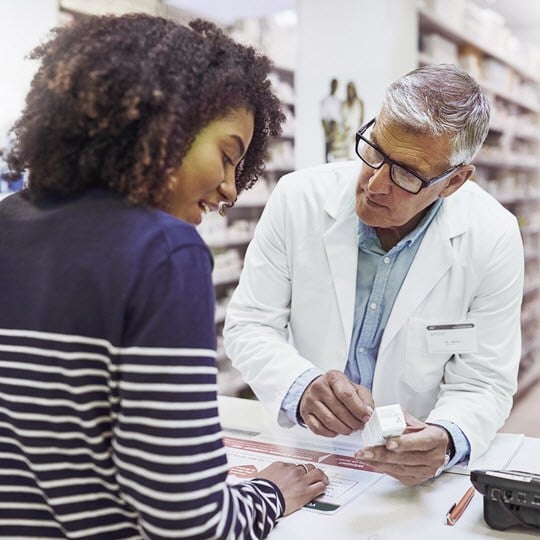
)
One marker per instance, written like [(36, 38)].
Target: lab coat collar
[(434, 258), (340, 243)]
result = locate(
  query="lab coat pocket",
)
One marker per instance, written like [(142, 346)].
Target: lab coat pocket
[(422, 370)]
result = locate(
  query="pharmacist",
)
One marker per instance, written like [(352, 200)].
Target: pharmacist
[(392, 279)]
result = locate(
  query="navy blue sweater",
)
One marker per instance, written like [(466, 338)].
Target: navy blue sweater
[(108, 415)]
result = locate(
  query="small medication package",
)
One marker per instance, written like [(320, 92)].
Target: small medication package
[(386, 421)]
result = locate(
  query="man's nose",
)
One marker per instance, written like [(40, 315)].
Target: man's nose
[(379, 181)]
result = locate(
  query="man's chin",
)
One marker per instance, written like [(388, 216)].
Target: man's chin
[(369, 214)]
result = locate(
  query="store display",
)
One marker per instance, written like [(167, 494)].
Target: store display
[(508, 165), (229, 243)]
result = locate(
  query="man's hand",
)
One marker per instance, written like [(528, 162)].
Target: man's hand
[(411, 458), (332, 405)]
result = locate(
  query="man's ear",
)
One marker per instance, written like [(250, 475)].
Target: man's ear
[(457, 180)]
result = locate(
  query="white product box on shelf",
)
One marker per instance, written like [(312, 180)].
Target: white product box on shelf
[(227, 267), (281, 156), (440, 49), (255, 196), (452, 13)]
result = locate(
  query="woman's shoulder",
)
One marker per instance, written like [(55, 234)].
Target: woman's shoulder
[(136, 225), (176, 233)]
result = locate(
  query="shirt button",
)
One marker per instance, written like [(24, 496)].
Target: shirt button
[(361, 350), (386, 260), (373, 305)]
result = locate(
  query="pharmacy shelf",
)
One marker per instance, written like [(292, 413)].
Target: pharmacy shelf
[(528, 377), (530, 288), (534, 347), (524, 132), (518, 198), (514, 127), (250, 203), (225, 278), (490, 89), (530, 229), (429, 22), (511, 98), (525, 162), (249, 206), (231, 240)]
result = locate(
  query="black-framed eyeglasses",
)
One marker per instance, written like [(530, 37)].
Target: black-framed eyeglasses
[(404, 178)]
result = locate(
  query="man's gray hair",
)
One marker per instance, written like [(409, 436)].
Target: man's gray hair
[(441, 99)]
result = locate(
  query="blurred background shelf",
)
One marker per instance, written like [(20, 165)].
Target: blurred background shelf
[(324, 43), (508, 166)]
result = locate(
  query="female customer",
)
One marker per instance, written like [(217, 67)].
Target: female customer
[(108, 413)]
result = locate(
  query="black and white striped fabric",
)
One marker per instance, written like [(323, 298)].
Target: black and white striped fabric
[(108, 412)]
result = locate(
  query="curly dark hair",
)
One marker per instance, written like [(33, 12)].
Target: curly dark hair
[(118, 101)]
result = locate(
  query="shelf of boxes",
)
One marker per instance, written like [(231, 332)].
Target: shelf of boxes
[(229, 236), (508, 166)]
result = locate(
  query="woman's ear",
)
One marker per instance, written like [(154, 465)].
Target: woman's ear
[(458, 179)]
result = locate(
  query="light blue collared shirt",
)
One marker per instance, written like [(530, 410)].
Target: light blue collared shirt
[(379, 278)]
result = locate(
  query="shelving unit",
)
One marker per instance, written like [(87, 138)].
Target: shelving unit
[(229, 243), (508, 166), (227, 237)]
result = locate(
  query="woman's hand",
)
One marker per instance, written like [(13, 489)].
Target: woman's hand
[(298, 484)]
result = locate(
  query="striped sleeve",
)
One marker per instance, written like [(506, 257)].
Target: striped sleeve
[(167, 440)]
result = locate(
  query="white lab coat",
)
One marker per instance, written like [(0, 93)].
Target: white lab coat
[(299, 278)]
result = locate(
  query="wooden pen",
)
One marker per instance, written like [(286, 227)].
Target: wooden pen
[(458, 508)]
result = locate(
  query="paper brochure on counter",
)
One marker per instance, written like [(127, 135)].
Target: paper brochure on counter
[(248, 452)]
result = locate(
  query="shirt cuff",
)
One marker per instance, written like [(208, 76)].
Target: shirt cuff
[(461, 443), (289, 405)]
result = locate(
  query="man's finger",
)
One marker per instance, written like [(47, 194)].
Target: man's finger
[(328, 411), (380, 455), (419, 473), (346, 393), (317, 427), (330, 418), (365, 395), (423, 440)]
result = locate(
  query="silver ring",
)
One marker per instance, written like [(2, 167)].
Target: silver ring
[(303, 465)]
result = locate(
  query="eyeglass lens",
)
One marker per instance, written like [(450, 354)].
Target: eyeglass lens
[(400, 176)]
